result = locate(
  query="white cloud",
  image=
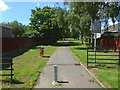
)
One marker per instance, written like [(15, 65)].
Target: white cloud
[(3, 6)]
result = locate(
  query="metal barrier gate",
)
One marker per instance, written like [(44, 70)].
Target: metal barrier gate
[(7, 66), (102, 56)]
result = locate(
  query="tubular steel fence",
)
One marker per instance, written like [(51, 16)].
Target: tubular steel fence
[(102, 56), (7, 68)]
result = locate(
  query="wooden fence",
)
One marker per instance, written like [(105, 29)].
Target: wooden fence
[(109, 42), (11, 44)]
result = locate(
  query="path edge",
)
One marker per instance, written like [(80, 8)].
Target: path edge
[(87, 69)]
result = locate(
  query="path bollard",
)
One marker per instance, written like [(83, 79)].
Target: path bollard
[(55, 73), (41, 51)]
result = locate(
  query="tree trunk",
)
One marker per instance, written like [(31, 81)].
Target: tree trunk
[(82, 38)]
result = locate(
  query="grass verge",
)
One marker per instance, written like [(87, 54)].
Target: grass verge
[(108, 76), (27, 67)]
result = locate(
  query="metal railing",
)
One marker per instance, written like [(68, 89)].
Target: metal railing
[(102, 56), (7, 66)]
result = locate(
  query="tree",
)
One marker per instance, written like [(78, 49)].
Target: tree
[(82, 13), (43, 22), (110, 10), (62, 21), (17, 28), (79, 18)]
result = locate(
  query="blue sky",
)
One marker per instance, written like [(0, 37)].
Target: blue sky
[(21, 11)]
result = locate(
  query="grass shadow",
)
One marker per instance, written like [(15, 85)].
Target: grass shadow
[(16, 53), (67, 43), (104, 49), (46, 56), (8, 57), (6, 62), (82, 48), (102, 67), (14, 81)]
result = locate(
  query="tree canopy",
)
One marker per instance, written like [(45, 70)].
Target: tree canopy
[(54, 23), (46, 23)]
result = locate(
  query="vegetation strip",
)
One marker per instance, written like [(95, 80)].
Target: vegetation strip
[(88, 70), (102, 71), (27, 67)]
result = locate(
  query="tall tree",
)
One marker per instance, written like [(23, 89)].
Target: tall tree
[(43, 22), (80, 18)]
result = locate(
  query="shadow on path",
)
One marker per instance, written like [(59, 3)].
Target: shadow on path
[(67, 43)]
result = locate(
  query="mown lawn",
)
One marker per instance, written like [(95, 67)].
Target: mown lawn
[(108, 76), (27, 67)]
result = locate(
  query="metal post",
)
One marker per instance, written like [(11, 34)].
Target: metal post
[(95, 35), (87, 57), (55, 73), (11, 72), (119, 57)]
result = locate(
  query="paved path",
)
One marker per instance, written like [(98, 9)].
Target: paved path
[(77, 76)]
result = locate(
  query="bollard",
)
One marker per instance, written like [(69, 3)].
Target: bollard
[(55, 73), (41, 51)]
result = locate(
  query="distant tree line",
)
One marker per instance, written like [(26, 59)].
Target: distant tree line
[(54, 23), (18, 28)]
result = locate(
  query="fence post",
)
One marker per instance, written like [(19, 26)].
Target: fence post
[(11, 71), (87, 57), (119, 57), (95, 54)]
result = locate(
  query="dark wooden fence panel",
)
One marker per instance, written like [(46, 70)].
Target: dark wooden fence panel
[(109, 42), (10, 44)]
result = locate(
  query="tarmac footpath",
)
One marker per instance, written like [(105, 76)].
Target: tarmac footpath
[(71, 74)]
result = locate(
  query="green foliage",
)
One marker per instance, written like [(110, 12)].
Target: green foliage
[(109, 10), (101, 66), (110, 35), (62, 21), (79, 19), (27, 67), (81, 14), (108, 76), (44, 23), (54, 23)]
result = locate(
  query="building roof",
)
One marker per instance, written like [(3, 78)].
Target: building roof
[(111, 28), (6, 31), (4, 26)]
